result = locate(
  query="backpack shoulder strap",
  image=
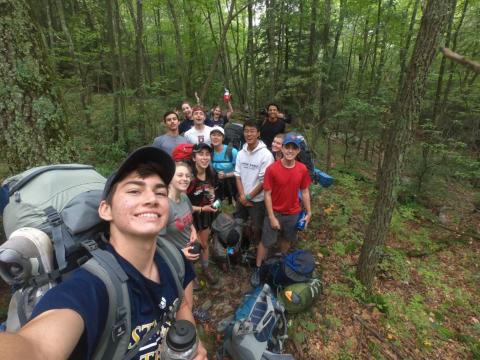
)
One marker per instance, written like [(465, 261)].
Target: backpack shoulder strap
[(115, 338), (174, 260), (229, 152)]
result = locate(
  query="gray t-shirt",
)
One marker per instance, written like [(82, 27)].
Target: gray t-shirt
[(180, 221), (168, 142)]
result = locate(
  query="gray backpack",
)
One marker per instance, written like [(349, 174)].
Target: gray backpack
[(227, 237), (52, 225)]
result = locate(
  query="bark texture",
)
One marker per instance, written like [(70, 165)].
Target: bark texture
[(32, 121), (405, 113)]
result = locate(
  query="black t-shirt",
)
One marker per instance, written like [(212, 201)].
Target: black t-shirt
[(269, 130)]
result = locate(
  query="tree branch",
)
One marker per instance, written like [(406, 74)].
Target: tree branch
[(472, 65)]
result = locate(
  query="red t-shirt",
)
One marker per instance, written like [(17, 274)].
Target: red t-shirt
[(284, 184)]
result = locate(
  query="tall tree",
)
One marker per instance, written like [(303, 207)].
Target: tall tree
[(32, 125), (405, 112)]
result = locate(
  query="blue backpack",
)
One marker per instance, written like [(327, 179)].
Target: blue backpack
[(281, 271), (258, 329)]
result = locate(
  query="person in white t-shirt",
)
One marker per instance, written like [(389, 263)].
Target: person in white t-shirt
[(199, 133)]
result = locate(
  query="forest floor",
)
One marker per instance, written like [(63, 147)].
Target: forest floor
[(425, 302)]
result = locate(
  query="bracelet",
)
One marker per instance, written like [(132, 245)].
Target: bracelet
[(247, 197), (200, 209)]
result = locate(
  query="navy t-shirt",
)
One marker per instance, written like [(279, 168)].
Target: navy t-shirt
[(222, 120), (185, 125), (86, 294)]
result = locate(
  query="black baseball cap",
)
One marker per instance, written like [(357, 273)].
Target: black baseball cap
[(142, 155), (200, 146)]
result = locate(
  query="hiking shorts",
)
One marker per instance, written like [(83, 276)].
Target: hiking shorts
[(256, 214), (288, 230)]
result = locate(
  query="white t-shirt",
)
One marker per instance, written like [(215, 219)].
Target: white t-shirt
[(195, 136)]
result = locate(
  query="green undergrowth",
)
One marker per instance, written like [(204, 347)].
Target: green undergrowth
[(428, 299)]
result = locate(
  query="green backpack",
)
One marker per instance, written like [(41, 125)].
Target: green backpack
[(54, 209), (299, 297)]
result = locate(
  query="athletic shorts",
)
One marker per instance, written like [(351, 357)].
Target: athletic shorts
[(287, 230), (203, 220), (255, 212)]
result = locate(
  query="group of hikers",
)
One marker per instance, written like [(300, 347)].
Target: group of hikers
[(170, 192)]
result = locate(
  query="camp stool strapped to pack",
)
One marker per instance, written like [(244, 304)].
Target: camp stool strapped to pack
[(259, 328), (59, 204)]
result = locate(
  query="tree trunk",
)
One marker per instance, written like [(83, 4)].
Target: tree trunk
[(406, 47), (140, 72), (405, 112), (216, 58), (115, 67), (179, 46), (441, 72), (81, 71), (33, 124)]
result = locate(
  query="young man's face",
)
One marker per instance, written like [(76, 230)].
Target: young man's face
[(272, 112), (187, 110), (251, 134), (198, 117), (290, 151), (216, 138), (172, 122), (139, 207)]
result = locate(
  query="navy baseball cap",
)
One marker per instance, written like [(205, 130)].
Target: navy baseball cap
[(292, 138), (142, 155)]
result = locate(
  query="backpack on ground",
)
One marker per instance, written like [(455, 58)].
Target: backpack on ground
[(227, 238), (234, 135), (322, 178), (298, 297), (281, 271), (52, 225), (258, 329)]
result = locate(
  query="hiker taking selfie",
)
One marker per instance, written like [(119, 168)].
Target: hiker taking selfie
[(74, 318)]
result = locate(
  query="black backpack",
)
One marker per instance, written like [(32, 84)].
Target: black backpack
[(306, 156), (234, 135)]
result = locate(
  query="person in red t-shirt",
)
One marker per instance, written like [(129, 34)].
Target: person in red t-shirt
[(283, 179)]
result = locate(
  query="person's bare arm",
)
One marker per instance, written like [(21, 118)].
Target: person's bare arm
[(256, 190), (51, 335), (306, 204), (274, 223), (241, 192), (185, 313), (229, 110)]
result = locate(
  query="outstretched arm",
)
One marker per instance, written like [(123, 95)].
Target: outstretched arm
[(229, 109), (51, 335), (185, 313)]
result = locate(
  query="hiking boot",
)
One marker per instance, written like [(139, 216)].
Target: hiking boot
[(211, 279), (255, 278), (201, 315)]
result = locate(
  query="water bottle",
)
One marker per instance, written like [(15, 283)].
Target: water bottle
[(216, 204), (226, 95), (301, 221), (181, 342)]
